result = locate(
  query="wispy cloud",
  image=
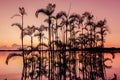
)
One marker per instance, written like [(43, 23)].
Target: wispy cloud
[(14, 46)]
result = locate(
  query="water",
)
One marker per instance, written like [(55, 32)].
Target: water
[(115, 66), (13, 70)]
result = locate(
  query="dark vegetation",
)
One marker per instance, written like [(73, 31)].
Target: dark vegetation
[(72, 49)]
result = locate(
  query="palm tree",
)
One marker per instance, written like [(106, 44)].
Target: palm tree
[(40, 35), (74, 22), (29, 30), (88, 22), (48, 11), (22, 13), (103, 29), (64, 17)]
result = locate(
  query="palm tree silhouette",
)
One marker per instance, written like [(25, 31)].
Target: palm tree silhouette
[(71, 39), (103, 29), (22, 13), (48, 11), (41, 46), (29, 30)]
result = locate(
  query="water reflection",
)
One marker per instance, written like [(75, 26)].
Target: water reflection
[(10, 71), (115, 66)]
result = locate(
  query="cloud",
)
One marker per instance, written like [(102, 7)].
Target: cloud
[(5, 47), (14, 46)]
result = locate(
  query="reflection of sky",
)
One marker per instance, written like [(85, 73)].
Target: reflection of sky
[(101, 9), (12, 71), (115, 66)]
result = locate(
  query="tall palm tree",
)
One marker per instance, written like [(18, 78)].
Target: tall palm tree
[(55, 36), (41, 45), (63, 16), (103, 29), (74, 22), (29, 30), (22, 13), (48, 11), (88, 19)]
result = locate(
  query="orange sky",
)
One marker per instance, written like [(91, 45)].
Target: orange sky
[(101, 9)]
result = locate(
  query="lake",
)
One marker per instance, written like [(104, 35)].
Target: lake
[(13, 70)]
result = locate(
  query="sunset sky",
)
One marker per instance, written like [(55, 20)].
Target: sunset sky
[(108, 9)]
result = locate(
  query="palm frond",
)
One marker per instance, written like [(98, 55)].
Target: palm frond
[(44, 11), (22, 10), (18, 25), (42, 28), (75, 16), (29, 30), (15, 15), (47, 11), (11, 55), (113, 55), (60, 14), (107, 59)]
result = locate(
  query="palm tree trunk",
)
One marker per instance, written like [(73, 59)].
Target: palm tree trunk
[(31, 42), (23, 71), (49, 43), (102, 56)]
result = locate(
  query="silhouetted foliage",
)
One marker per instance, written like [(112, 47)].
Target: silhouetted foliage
[(68, 52)]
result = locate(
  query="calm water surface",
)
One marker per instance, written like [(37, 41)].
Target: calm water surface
[(12, 71)]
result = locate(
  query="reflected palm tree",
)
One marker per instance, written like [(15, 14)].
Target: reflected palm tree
[(115, 77), (12, 55)]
